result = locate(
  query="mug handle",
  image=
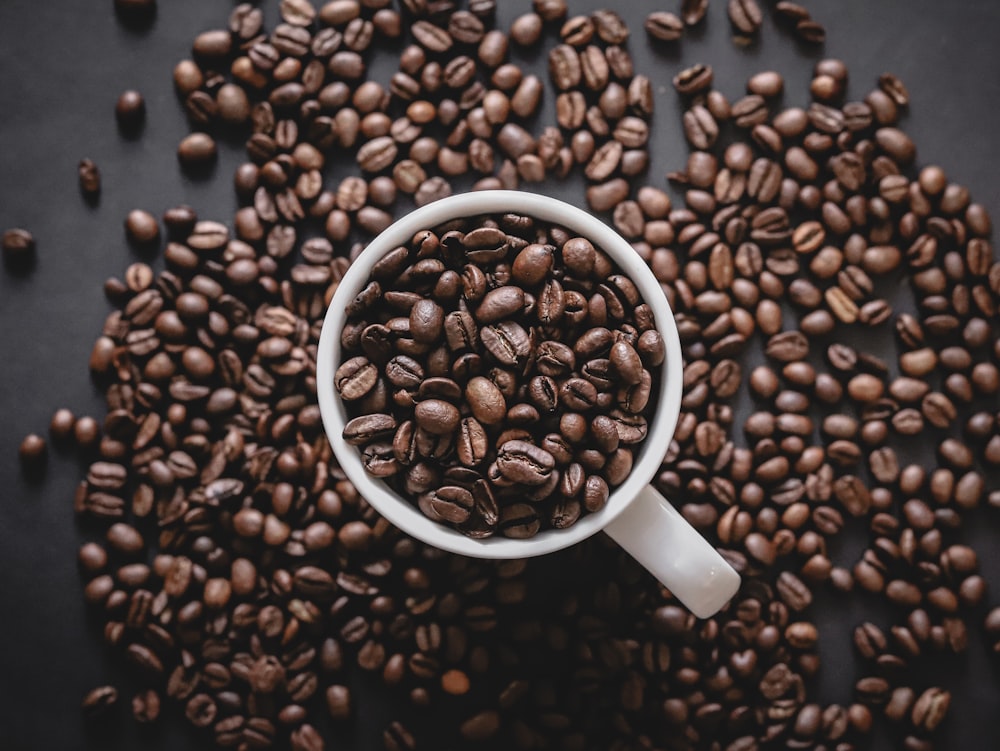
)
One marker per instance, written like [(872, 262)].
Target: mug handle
[(659, 538)]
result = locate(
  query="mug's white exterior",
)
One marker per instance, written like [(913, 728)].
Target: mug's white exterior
[(403, 513)]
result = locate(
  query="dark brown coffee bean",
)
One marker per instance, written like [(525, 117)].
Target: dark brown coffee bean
[(355, 378), (450, 503), (89, 178), (524, 463), (663, 26), (788, 346), (18, 248), (745, 16), (197, 150), (367, 428), (810, 31), (430, 37), (141, 227), (610, 26), (607, 195), (130, 110), (436, 416), (99, 700), (507, 342)]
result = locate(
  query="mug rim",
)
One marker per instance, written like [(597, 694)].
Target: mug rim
[(404, 513)]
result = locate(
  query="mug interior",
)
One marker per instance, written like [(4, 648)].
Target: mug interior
[(405, 514)]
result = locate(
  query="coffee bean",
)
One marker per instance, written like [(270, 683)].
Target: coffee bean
[(500, 303), (507, 343), (664, 26), (607, 195), (450, 503), (526, 29), (18, 248), (700, 129), (33, 453), (745, 16), (436, 416), (100, 700), (519, 521), (130, 110), (196, 150), (788, 346), (89, 178), (146, 707), (524, 463), (810, 31)]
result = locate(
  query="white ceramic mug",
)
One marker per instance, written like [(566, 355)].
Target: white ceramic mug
[(636, 515)]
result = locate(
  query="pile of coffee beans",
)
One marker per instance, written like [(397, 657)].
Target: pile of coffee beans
[(241, 576), (500, 373)]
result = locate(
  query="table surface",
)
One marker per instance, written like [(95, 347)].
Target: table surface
[(62, 65)]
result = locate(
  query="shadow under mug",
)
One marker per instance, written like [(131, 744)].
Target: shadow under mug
[(636, 515)]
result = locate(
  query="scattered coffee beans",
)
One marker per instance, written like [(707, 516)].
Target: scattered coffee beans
[(99, 701), (61, 426), (664, 26), (500, 373), (270, 583)]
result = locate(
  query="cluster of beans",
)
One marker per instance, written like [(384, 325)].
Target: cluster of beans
[(242, 576)]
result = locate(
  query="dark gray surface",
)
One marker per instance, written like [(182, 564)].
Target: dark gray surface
[(62, 65)]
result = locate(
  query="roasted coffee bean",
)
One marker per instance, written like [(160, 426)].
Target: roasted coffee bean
[(449, 503), (663, 26), (146, 707), (745, 16), (810, 31), (89, 178), (196, 150), (141, 227), (99, 700), (355, 378), (693, 80), (130, 110), (18, 248), (524, 463), (519, 520), (33, 453), (507, 343)]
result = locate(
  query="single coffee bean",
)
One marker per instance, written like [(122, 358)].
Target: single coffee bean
[(810, 31), (33, 453), (146, 707), (99, 700), (89, 178), (663, 26), (197, 150), (355, 378), (18, 248), (130, 110), (745, 16)]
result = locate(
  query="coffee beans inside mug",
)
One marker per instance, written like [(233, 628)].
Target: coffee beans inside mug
[(498, 360)]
